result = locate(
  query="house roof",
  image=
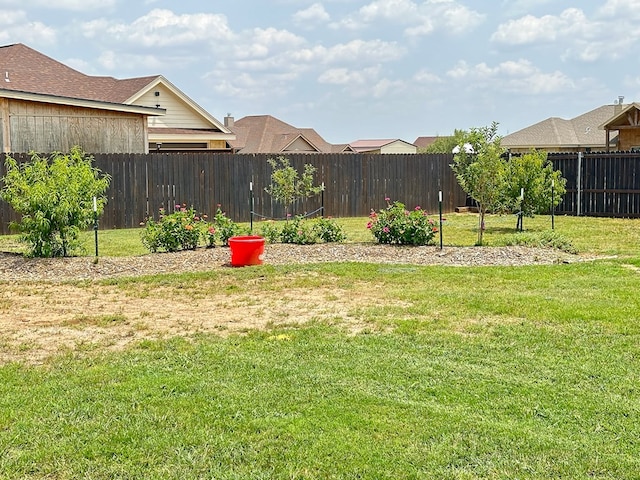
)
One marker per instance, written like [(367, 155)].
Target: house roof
[(626, 117), (267, 134), (582, 131), (80, 102), (28, 70), (423, 142), (374, 144)]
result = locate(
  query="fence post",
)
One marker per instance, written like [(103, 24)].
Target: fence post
[(579, 186)]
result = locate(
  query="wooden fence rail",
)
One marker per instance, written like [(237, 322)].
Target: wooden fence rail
[(598, 184)]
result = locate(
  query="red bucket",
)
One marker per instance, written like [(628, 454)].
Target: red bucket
[(246, 250)]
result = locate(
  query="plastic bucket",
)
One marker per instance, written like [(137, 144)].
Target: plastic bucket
[(246, 250)]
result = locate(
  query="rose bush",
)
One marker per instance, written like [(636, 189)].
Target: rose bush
[(396, 225), (185, 228)]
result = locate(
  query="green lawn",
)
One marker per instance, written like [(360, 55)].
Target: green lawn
[(454, 373)]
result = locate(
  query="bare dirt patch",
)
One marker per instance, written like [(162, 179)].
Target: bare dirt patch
[(42, 313)]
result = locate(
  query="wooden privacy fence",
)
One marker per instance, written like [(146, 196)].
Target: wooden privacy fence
[(598, 184), (354, 184)]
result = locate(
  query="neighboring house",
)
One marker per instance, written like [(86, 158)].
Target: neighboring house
[(267, 134), (173, 120), (424, 142), (627, 123), (584, 133), (383, 146), (46, 123)]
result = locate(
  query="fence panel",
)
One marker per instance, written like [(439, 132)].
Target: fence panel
[(354, 184)]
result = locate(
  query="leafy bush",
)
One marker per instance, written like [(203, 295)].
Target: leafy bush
[(55, 198), (270, 231), (329, 231), (221, 229), (397, 226), (298, 231), (184, 228), (303, 232), (180, 230)]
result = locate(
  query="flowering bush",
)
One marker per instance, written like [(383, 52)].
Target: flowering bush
[(270, 231), (303, 232), (328, 230), (184, 228), (221, 229), (298, 231), (398, 226), (179, 230)]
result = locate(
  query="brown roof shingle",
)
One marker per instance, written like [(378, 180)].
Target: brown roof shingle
[(267, 134), (28, 70)]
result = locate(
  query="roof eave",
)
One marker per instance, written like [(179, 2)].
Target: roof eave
[(79, 102), (191, 136)]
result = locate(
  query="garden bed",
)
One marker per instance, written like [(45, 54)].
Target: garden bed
[(15, 267)]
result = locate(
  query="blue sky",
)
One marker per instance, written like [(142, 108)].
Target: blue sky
[(354, 69)]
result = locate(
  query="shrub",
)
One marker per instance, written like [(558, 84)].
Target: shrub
[(328, 230), (546, 239), (221, 229), (55, 198), (180, 230), (270, 231), (298, 231), (303, 232), (397, 226), (184, 228)]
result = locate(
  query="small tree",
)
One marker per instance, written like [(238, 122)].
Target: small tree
[(287, 185), (532, 174), (55, 198), (481, 170), (445, 144)]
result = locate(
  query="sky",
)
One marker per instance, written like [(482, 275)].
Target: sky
[(351, 69)]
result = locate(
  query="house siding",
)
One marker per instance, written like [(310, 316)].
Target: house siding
[(42, 127), (628, 139), (398, 147), (179, 115)]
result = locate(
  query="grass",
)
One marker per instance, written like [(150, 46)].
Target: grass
[(604, 236), (455, 373)]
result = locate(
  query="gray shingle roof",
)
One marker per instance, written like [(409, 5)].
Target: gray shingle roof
[(582, 131)]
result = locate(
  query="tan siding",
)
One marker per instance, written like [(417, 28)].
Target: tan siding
[(629, 138), (179, 114), (300, 145), (398, 147), (47, 127)]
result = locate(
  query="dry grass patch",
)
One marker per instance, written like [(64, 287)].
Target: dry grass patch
[(43, 319)]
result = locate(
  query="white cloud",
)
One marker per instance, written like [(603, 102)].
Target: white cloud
[(418, 19), (16, 27), (314, 14), (426, 77), (520, 77), (388, 10), (548, 28), (626, 9), (75, 5), (352, 78), (163, 28), (576, 36)]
